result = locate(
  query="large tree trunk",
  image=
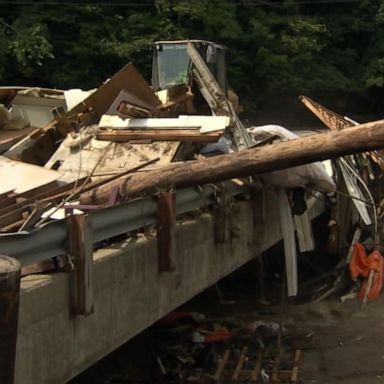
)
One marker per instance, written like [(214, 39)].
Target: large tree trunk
[(249, 162)]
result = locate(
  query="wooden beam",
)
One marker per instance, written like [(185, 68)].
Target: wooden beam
[(249, 162), (166, 230), (81, 251), (9, 314), (120, 135)]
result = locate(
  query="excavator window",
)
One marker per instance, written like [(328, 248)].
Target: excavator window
[(172, 65)]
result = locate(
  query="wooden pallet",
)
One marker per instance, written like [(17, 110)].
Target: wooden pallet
[(248, 368)]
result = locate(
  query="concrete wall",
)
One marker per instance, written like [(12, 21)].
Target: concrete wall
[(130, 294)]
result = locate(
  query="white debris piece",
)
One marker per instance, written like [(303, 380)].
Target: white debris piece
[(313, 175), (204, 123)]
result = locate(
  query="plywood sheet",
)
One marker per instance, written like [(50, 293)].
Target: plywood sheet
[(127, 79), (21, 177), (110, 157)]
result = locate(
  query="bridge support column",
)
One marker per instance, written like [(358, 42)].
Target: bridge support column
[(9, 314)]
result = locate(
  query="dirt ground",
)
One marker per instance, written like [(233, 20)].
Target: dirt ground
[(340, 342), (344, 343)]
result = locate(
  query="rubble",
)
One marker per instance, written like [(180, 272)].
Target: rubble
[(124, 140), (70, 158), (193, 348)]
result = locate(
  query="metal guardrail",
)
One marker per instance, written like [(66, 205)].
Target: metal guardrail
[(51, 240)]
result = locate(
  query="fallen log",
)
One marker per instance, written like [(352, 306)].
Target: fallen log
[(248, 162)]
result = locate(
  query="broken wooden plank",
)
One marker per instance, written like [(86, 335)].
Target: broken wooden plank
[(256, 372), (335, 121), (240, 363), (331, 119), (216, 98), (304, 232), (355, 239), (128, 79), (251, 161), (10, 138), (125, 135), (130, 110), (166, 230), (10, 217), (295, 369), (222, 364), (14, 212), (368, 287), (22, 177), (275, 370), (183, 122), (81, 251)]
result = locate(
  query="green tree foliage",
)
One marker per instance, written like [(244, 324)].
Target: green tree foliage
[(25, 45), (284, 47)]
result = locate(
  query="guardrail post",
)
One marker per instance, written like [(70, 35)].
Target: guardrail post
[(81, 251), (166, 230), (222, 215), (259, 214), (9, 315)]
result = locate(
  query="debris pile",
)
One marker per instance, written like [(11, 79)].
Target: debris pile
[(71, 153), (356, 216), (193, 349)]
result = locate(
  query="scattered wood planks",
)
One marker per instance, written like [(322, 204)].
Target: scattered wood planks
[(255, 367)]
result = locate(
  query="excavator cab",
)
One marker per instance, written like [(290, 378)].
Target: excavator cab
[(171, 64)]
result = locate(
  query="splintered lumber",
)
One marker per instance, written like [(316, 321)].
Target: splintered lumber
[(125, 135), (295, 369), (256, 372), (331, 119), (216, 99), (251, 161), (134, 88), (222, 364), (240, 363), (336, 122), (10, 216)]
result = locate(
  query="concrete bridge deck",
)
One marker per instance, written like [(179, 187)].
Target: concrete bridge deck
[(130, 293)]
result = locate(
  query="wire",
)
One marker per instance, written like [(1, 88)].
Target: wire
[(341, 194), (72, 3), (358, 177), (257, 3)]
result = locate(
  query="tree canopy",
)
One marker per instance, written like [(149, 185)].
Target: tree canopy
[(274, 47)]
